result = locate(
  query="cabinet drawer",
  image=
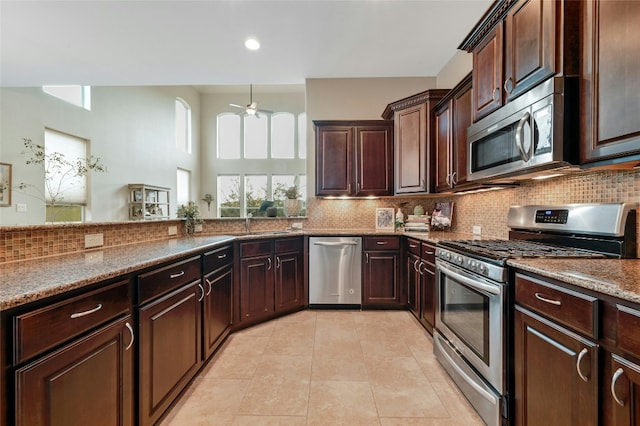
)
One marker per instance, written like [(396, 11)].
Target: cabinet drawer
[(256, 248), (288, 244), (162, 280), (413, 246), (568, 307), (428, 253), (47, 327), (217, 258), (381, 243), (628, 337)]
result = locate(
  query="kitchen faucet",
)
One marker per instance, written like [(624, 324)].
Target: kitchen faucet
[(248, 223)]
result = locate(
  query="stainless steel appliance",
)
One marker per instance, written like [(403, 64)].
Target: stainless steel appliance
[(475, 302), (535, 132), (335, 271)]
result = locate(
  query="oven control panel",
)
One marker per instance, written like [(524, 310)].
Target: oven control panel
[(552, 216), (469, 263)]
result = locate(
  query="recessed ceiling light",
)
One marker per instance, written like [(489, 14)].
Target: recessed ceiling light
[(252, 44)]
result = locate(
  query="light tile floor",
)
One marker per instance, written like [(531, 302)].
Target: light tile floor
[(326, 368)]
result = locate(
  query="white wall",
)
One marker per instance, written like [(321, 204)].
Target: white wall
[(131, 129), (455, 70)]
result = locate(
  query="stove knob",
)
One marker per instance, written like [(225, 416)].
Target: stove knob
[(460, 260), (473, 264), (482, 268), (448, 256)]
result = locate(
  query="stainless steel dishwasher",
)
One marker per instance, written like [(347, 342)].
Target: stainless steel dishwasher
[(335, 271)]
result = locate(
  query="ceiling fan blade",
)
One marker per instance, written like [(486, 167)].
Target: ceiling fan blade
[(237, 106), (264, 111)]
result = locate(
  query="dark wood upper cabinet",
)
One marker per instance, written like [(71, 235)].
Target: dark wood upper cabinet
[(414, 127), (610, 83), (453, 117), (354, 158), (519, 44)]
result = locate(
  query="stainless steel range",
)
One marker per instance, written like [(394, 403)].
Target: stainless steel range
[(475, 302)]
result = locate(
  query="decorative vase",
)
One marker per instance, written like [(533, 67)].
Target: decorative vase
[(418, 210), (272, 211), (399, 216), (292, 207)]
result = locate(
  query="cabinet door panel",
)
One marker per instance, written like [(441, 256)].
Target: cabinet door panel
[(610, 81), (625, 387), (256, 288), (334, 159), (411, 149), (87, 380), (461, 121), (548, 363), (288, 282), (381, 278), (428, 295), (217, 308), (487, 74), (170, 342), (374, 172), (413, 284), (530, 49), (443, 137)]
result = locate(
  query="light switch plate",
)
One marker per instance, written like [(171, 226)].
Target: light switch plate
[(173, 230), (93, 240), (477, 230)]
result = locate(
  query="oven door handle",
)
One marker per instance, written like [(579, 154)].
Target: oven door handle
[(468, 281)]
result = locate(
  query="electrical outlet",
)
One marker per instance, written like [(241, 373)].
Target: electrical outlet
[(477, 230), (93, 240), (296, 225), (173, 230), (197, 228), (21, 207)]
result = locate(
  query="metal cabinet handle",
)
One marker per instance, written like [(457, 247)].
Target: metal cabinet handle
[(424, 186), (448, 179), (381, 243), (413, 245), (179, 274), (85, 313), (202, 290), (222, 256), (349, 188), (508, 85), (496, 94), (132, 336), (357, 187), (581, 355), (520, 137), (619, 372), (415, 265), (366, 256), (429, 252), (430, 272), (544, 299), (420, 268), (210, 286), (269, 262), (453, 179), (277, 262)]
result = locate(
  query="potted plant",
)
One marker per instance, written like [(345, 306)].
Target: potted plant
[(292, 204), (191, 215)]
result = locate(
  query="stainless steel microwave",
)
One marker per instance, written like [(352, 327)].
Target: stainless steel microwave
[(536, 132)]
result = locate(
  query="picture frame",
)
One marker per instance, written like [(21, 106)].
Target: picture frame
[(384, 218), (5, 185), (442, 215)]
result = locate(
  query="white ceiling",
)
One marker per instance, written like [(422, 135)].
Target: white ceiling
[(153, 42)]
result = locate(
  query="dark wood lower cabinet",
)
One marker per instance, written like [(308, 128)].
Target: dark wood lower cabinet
[(621, 392), (217, 312), (556, 374), (412, 276), (288, 281), (381, 284), (87, 382), (256, 288), (170, 342)]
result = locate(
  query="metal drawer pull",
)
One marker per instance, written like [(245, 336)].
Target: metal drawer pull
[(202, 290), (413, 245), (381, 243), (132, 336), (179, 274), (277, 262), (420, 268), (619, 372), (430, 272), (581, 355), (210, 286), (544, 299), (85, 313), (222, 256), (415, 265), (429, 252), (269, 262)]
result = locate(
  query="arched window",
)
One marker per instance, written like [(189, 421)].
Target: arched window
[(183, 126)]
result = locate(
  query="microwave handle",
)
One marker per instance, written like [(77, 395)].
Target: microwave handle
[(520, 136)]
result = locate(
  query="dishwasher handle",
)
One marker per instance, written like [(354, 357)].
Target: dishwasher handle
[(332, 243)]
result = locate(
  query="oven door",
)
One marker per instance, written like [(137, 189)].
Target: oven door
[(470, 314)]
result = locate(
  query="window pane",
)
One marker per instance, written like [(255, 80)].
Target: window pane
[(302, 135), (228, 136), (73, 94), (255, 189), (183, 187), (282, 135), (62, 153), (228, 198), (183, 126), (255, 137)]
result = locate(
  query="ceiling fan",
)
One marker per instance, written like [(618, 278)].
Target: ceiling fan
[(252, 107)]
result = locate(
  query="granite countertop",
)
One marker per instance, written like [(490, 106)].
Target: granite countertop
[(614, 277), (30, 280)]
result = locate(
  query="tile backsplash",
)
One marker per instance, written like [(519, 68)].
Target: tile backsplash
[(487, 209)]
